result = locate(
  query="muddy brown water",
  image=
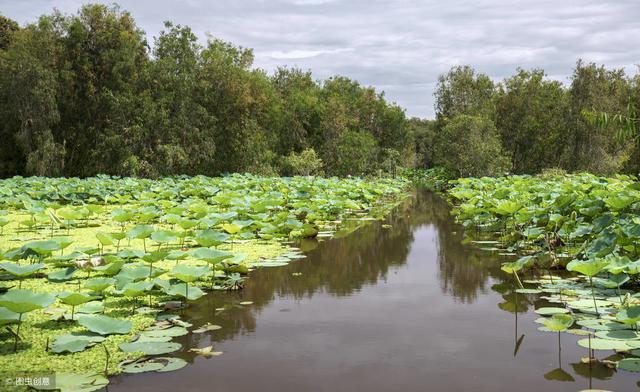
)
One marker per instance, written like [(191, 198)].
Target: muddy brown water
[(401, 308)]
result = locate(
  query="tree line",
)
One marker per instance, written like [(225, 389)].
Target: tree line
[(528, 123), (86, 93)]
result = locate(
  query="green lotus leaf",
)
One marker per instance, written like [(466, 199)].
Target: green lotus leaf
[(98, 285), (105, 239), (210, 255), (558, 322), (171, 364), (136, 289), (547, 311), (23, 301), (44, 247), (180, 290), (630, 364), (104, 325), (602, 325), (167, 332), (140, 232), (150, 348), (8, 317), (74, 342), (603, 344), (619, 334), (207, 238), (231, 228), (110, 269), (131, 254), (21, 271), (154, 257), (587, 267), (74, 298), (163, 236), (141, 367), (630, 315), (90, 307), (62, 275), (189, 273)]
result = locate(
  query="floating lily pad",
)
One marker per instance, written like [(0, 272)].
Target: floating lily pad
[(620, 334), (159, 364), (141, 367), (630, 364), (528, 291), (602, 325), (545, 311), (171, 332), (150, 348), (171, 364), (603, 344), (104, 325), (74, 342)]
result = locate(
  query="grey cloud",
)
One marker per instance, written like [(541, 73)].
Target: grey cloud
[(399, 46)]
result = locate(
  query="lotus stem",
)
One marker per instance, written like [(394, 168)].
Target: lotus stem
[(518, 279), (106, 362), (593, 295), (15, 344)]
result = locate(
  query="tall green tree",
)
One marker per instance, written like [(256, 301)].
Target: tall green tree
[(29, 101), (470, 146), (531, 119), (591, 147), (464, 91)]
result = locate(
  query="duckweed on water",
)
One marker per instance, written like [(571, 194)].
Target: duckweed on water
[(104, 259)]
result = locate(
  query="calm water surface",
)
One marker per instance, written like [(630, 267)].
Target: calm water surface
[(400, 308)]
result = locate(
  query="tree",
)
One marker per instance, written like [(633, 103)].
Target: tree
[(591, 147), (29, 93), (7, 28), (470, 146), (355, 154), (531, 120), (307, 163), (463, 91)]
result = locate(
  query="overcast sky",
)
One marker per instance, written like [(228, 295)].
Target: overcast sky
[(399, 46)]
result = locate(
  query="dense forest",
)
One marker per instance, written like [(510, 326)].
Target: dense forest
[(87, 93)]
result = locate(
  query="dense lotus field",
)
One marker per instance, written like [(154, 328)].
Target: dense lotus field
[(94, 271), (577, 237)]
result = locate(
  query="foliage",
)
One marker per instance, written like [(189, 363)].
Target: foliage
[(588, 125), (84, 94), (306, 163), (530, 117), (470, 146)]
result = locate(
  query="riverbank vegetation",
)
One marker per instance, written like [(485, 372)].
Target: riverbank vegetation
[(550, 226)]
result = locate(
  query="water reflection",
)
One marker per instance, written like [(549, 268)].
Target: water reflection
[(399, 304)]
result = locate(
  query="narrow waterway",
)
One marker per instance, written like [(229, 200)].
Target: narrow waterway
[(398, 305)]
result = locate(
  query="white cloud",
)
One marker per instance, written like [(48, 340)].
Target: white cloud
[(301, 53)]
